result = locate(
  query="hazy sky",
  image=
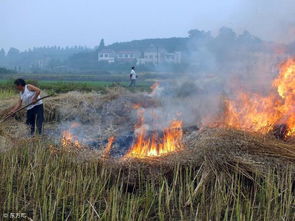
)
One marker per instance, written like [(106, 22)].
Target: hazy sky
[(29, 23)]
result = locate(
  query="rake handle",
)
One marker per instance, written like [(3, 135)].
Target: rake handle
[(10, 115)]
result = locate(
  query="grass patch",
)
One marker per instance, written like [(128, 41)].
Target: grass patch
[(6, 87), (6, 93)]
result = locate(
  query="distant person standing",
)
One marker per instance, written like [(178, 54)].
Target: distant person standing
[(133, 77)]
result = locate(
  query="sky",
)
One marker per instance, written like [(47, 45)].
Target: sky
[(32, 23)]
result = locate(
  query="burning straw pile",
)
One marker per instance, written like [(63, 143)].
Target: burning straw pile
[(142, 129), (114, 126), (133, 144), (109, 146), (272, 113), (213, 149)]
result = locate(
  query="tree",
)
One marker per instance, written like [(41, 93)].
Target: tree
[(199, 40), (13, 52), (227, 34), (247, 38), (2, 53), (6, 71), (197, 34), (101, 44)]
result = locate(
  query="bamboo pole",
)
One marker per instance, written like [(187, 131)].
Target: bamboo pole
[(10, 115)]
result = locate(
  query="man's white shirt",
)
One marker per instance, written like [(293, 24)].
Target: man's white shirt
[(133, 75)]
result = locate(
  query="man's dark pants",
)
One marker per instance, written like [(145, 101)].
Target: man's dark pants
[(35, 116), (132, 83)]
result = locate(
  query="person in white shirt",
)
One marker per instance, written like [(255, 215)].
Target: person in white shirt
[(35, 112), (133, 77)]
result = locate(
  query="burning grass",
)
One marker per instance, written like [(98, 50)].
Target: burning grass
[(253, 112), (153, 145), (212, 180), (174, 173)]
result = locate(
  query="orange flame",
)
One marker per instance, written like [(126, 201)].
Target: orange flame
[(155, 146), (253, 112), (154, 88), (155, 85), (108, 148), (68, 139)]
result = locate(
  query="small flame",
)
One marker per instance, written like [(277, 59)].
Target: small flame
[(108, 148), (136, 106), (155, 88), (154, 145), (68, 139)]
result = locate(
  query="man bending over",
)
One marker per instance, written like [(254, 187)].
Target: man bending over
[(35, 112)]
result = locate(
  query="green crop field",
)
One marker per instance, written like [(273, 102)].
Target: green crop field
[(7, 87)]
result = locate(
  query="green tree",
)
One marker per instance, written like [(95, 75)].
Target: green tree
[(101, 44), (13, 52), (2, 53)]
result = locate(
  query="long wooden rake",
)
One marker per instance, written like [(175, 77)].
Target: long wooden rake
[(22, 108)]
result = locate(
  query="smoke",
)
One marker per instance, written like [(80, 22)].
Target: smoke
[(220, 67), (272, 20)]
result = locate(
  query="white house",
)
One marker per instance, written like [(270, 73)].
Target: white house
[(174, 57), (127, 56), (151, 56), (107, 55), (160, 56)]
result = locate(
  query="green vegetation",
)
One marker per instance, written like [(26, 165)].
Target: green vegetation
[(6, 93), (7, 87), (87, 86), (58, 186), (4, 71), (63, 87)]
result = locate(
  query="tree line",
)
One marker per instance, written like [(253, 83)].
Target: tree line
[(201, 50)]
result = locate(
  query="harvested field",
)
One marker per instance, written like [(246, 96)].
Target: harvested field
[(220, 173)]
